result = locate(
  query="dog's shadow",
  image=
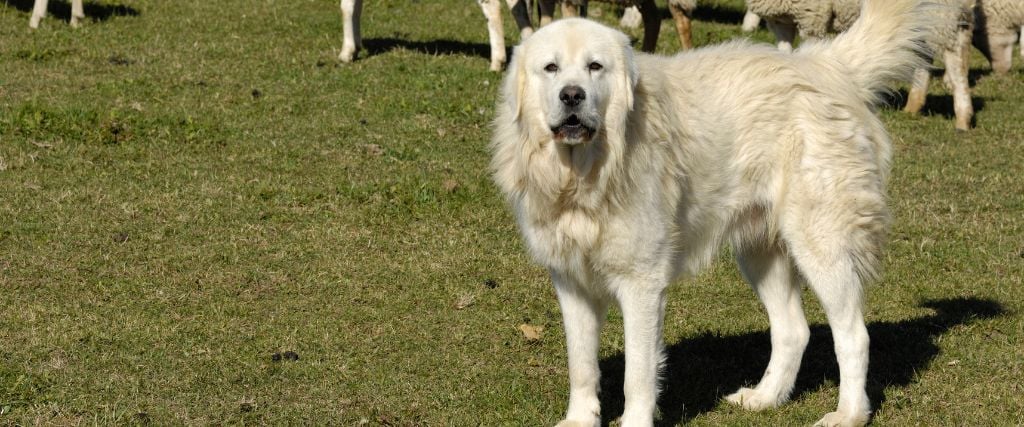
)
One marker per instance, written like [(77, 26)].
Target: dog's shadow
[(700, 371), (62, 9)]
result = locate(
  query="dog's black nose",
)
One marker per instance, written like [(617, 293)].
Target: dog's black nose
[(572, 95)]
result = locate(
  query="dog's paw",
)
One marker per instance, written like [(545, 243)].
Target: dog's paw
[(841, 419), (752, 399)]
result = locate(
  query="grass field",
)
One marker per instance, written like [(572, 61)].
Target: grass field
[(205, 219)]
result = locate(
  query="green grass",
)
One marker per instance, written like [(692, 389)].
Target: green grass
[(188, 188)]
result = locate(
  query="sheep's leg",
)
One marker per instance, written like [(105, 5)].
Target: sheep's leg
[(350, 13), (77, 13), (1001, 48), (957, 61), (652, 24), (631, 18), (38, 13), (569, 10), (521, 13), (918, 91), (547, 11), (785, 33), (750, 22), (682, 17), (574, 8), (495, 31)]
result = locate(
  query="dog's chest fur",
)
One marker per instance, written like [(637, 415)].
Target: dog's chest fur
[(572, 212), (564, 241), (559, 222)]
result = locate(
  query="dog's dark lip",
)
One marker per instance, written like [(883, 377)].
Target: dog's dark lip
[(572, 130)]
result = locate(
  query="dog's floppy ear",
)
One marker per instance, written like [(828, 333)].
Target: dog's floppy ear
[(622, 98), (514, 86), (623, 86), (630, 75)]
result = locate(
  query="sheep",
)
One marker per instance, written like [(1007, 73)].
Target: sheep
[(682, 14), (954, 41), (816, 18), (813, 18), (997, 22), (682, 11), (631, 19), (39, 12), (352, 41), (496, 31)]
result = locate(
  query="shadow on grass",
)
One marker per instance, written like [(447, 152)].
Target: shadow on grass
[(62, 9), (718, 14), (935, 105), (941, 105), (702, 370), (434, 47), (710, 13)]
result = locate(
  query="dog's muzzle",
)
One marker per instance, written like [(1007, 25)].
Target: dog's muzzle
[(572, 130)]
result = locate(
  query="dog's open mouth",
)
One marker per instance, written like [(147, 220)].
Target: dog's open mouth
[(572, 130)]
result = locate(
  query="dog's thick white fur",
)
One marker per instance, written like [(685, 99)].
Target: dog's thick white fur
[(39, 12), (625, 171)]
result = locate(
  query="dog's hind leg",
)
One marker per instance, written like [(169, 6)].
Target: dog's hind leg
[(836, 251), (583, 315), (771, 274), (834, 220), (838, 287)]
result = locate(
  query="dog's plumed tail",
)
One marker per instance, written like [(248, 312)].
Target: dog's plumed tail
[(884, 45)]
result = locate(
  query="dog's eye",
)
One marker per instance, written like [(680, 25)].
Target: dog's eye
[(551, 68), (595, 66)]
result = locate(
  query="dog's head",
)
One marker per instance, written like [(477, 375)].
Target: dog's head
[(572, 81)]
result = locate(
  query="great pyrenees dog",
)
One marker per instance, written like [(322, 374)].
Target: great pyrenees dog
[(626, 171)]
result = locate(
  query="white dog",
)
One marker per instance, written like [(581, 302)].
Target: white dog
[(627, 170), (39, 12)]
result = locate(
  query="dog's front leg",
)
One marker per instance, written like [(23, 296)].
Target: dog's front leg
[(583, 314), (643, 308)]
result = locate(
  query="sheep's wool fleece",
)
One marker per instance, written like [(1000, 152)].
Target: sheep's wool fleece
[(1002, 15)]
